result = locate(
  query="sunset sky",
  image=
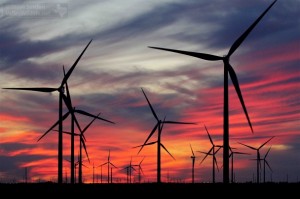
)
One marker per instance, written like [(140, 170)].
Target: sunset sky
[(38, 38)]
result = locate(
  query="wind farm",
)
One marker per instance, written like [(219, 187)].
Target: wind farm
[(156, 102)]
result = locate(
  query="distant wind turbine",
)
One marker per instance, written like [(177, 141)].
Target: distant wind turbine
[(108, 166), (72, 111), (258, 156), (266, 163), (81, 144), (231, 156), (158, 126), (227, 69), (140, 169), (212, 151), (193, 157), (129, 168), (62, 98), (74, 120)]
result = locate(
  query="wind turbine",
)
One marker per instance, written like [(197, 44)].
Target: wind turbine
[(128, 170), (158, 126), (62, 98), (227, 69), (73, 119), (231, 156), (258, 155), (81, 144), (76, 163), (140, 169), (193, 157), (100, 172), (93, 173), (108, 164), (72, 110), (212, 151), (266, 163)]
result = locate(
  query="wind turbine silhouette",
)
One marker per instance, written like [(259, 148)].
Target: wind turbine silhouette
[(72, 110), (257, 156), (100, 172), (140, 169), (231, 156), (193, 157), (62, 98), (128, 170), (227, 69), (81, 144), (266, 163), (108, 164), (159, 126), (212, 151), (76, 163), (73, 119)]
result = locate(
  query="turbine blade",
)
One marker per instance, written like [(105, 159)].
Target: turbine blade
[(248, 146), (67, 132), (242, 153), (240, 40), (150, 143), (142, 160), (152, 132), (84, 165), (39, 89), (268, 165), (204, 157), (174, 122), (146, 144), (216, 162), (161, 125), (132, 168), (193, 54), (153, 112), (67, 103), (104, 164), (217, 149), (209, 136), (84, 146), (91, 115), (192, 150), (113, 165), (267, 152), (141, 170), (166, 150), (89, 124), (206, 154), (56, 123), (68, 93), (266, 142), (239, 93), (66, 77)]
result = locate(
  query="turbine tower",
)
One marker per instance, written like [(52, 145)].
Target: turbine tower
[(193, 157)]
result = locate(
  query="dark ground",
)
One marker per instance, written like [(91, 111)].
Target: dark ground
[(146, 190)]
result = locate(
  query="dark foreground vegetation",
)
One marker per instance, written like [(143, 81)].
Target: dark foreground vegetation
[(145, 190)]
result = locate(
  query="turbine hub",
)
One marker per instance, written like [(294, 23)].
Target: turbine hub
[(62, 89)]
